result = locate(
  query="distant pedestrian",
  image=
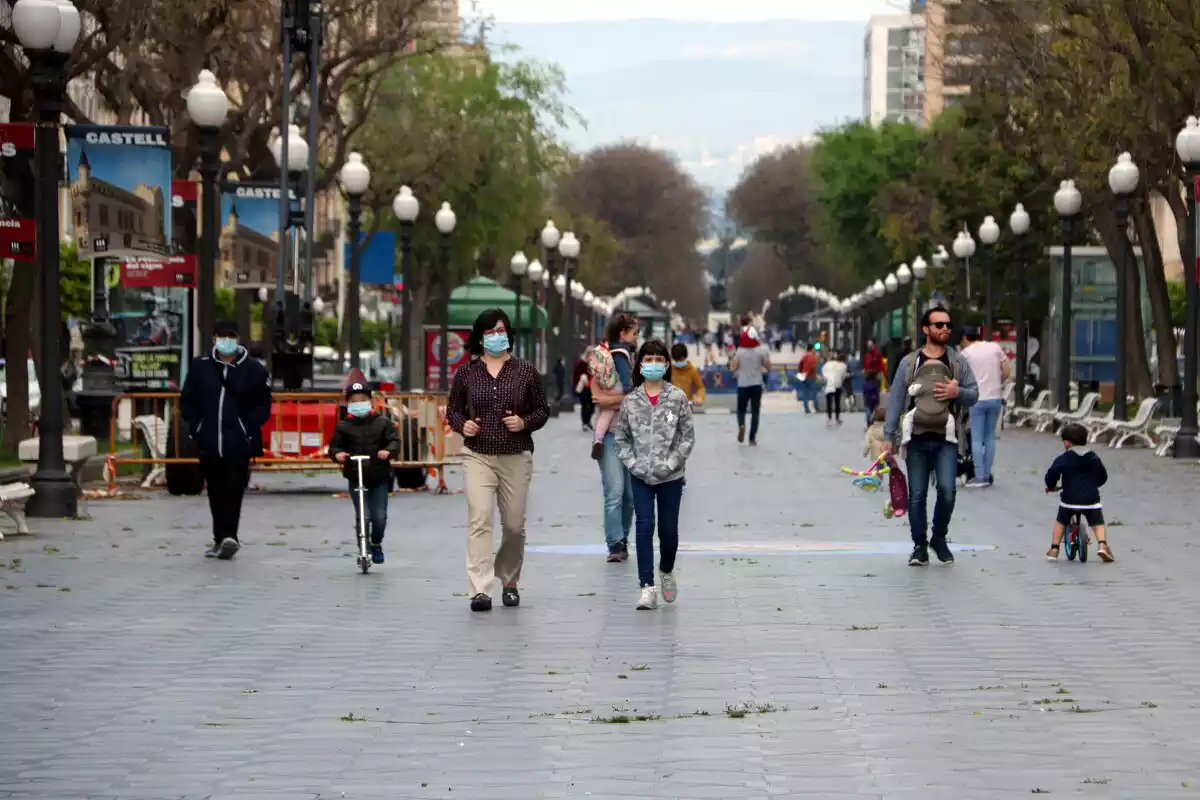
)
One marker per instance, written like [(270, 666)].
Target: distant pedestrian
[(620, 338), (872, 377), (806, 380), (833, 372), (749, 362), (583, 392), (654, 437), (560, 379), (225, 401), (990, 365), (685, 376), (496, 402)]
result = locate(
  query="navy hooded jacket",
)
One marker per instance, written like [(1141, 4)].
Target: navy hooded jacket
[(225, 405)]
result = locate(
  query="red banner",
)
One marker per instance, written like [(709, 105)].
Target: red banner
[(456, 356), (18, 232), (175, 272)]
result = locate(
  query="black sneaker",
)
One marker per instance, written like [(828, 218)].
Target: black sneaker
[(511, 598), (941, 550), (227, 549), (919, 557), (597, 451), (481, 602)]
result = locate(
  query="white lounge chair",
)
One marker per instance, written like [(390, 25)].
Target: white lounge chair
[(153, 432), (1136, 428), (1057, 419), (1019, 416), (1098, 426), (1165, 433), (12, 502)]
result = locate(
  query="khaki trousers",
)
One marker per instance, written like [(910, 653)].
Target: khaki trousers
[(491, 480)]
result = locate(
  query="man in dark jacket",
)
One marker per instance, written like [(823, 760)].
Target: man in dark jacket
[(367, 432), (225, 402)]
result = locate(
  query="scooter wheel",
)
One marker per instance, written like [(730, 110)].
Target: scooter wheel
[(364, 564)]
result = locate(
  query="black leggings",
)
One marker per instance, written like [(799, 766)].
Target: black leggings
[(833, 404), (586, 406)]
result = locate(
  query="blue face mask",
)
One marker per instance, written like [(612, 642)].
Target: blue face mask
[(359, 408), (679, 364), (654, 372), (226, 346), (495, 344)]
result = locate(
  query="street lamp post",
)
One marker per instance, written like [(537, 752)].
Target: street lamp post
[(518, 265), (1187, 145), (919, 269), (550, 239), (445, 221), (568, 248), (208, 106), (1067, 202), (537, 274), (406, 207), (904, 276), (47, 32), (355, 179), (1123, 180), (964, 248), (1019, 223), (288, 358), (989, 234)]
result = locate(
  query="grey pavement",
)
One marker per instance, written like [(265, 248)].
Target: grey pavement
[(131, 667)]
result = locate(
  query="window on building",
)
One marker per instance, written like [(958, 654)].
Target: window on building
[(262, 258), (959, 14), (246, 256), (102, 215)]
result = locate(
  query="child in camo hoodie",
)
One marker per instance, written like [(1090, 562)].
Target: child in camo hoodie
[(654, 437)]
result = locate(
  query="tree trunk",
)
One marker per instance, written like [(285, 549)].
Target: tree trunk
[(19, 323), (1137, 364), (1156, 288), (414, 333)]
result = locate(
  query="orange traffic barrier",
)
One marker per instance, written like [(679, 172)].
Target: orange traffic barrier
[(295, 437)]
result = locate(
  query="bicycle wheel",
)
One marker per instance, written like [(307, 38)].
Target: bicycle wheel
[(1071, 540), (1083, 542)]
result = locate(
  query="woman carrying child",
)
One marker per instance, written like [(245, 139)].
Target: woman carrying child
[(654, 437)]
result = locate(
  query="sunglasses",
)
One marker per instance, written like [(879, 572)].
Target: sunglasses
[(939, 325)]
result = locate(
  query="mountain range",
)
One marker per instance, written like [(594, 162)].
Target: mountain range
[(715, 94)]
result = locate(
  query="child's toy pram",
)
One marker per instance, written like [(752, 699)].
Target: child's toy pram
[(871, 480)]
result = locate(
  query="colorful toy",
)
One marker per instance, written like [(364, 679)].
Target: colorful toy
[(871, 478)]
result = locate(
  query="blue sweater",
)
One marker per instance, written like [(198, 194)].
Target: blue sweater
[(1081, 473)]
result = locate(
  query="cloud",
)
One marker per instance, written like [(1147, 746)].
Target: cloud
[(749, 49)]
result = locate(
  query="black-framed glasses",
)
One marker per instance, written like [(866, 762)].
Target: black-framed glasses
[(940, 325)]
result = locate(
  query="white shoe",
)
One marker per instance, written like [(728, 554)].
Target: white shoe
[(670, 589), (648, 600)]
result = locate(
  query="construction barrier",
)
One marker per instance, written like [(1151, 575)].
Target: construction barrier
[(295, 438)]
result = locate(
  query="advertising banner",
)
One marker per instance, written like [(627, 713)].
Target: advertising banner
[(456, 355), (249, 237), (18, 234), (377, 261), (159, 273)]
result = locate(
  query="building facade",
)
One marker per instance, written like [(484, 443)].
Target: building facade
[(893, 69), (126, 220), (951, 55)]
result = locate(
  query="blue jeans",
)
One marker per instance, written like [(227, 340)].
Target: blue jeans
[(668, 495), (985, 416), (939, 458), (806, 392), (618, 495), (376, 503)]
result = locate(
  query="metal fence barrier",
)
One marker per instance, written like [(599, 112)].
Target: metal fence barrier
[(295, 438)]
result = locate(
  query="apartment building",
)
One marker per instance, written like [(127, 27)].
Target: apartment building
[(893, 69), (951, 54)]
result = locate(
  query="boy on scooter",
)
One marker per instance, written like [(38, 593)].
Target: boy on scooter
[(364, 432)]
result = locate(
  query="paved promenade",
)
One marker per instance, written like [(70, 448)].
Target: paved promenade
[(803, 659)]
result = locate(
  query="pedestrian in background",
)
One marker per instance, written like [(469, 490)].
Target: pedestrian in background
[(583, 391), (990, 366), (620, 337), (834, 373), (496, 402), (654, 437), (806, 380), (225, 401), (749, 363)]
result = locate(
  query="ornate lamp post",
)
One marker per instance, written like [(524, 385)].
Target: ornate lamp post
[(1187, 145), (1123, 180), (537, 274), (550, 238), (406, 207), (1019, 223), (47, 32), (964, 248), (208, 106), (1067, 202), (989, 234), (919, 270), (518, 265), (445, 221), (904, 276), (568, 248), (355, 179)]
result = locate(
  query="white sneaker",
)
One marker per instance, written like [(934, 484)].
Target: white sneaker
[(648, 600), (670, 589)]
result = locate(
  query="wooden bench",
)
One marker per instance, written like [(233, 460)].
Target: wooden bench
[(12, 503)]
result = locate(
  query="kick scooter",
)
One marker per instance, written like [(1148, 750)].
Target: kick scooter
[(363, 529)]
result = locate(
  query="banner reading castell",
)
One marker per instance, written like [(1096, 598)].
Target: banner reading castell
[(250, 233), (18, 233), (122, 204)]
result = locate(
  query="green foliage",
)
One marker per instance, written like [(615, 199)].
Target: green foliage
[(1177, 292), (74, 282), (223, 304), (326, 332)]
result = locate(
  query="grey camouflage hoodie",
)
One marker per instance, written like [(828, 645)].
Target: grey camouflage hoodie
[(654, 441)]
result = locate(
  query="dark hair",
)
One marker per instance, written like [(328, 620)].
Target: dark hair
[(1074, 433), (619, 324), (971, 333), (485, 322), (225, 327), (653, 347), (679, 351), (929, 312)]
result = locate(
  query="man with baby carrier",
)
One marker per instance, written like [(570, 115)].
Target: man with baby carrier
[(926, 416)]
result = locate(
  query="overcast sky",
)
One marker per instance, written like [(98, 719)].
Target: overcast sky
[(706, 10)]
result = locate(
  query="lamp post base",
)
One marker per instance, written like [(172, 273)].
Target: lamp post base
[(55, 496), (1186, 445)]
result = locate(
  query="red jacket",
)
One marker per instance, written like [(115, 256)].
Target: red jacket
[(872, 361), (808, 363)]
